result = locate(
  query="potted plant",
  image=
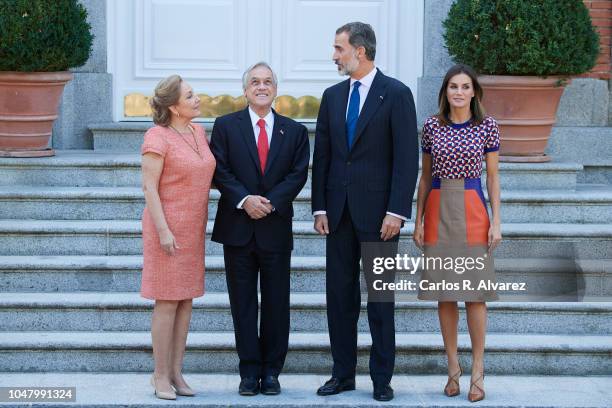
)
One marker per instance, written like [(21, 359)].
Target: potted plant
[(525, 51), (39, 41)]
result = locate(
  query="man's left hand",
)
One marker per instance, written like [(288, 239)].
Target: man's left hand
[(390, 227)]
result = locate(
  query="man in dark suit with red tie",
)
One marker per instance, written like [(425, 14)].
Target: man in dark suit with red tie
[(364, 174), (262, 164)]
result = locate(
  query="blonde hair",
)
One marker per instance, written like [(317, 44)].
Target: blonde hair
[(167, 93)]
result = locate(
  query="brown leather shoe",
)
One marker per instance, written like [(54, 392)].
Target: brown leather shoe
[(476, 396), (449, 390)]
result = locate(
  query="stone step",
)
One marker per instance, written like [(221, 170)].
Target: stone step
[(122, 274), (590, 146), (132, 390), (112, 237), (73, 168), (416, 353), (112, 169), (596, 172), (103, 311), (589, 204), (128, 136), (574, 143)]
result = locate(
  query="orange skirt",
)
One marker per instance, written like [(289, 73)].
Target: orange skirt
[(457, 264)]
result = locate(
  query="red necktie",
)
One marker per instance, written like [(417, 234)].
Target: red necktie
[(262, 144)]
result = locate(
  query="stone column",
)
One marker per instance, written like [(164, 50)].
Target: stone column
[(436, 60), (88, 97)]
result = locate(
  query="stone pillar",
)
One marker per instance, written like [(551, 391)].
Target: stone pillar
[(88, 97), (435, 58), (585, 101)]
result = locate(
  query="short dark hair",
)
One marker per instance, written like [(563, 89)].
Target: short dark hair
[(361, 35), (478, 111)]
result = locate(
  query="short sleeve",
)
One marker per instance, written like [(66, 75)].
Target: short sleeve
[(492, 142), (426, 139), (154, 142)]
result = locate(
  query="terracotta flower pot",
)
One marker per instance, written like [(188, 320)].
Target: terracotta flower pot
[(525, 108), (28, 108)]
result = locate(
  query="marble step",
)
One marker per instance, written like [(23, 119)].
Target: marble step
[(132, 390), (588, 204), (416, 353), (83, 273), (590, 146), (122, 312), (82, 168), (113, 237)]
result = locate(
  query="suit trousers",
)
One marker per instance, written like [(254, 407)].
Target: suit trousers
[(344, 304), (261, 352)]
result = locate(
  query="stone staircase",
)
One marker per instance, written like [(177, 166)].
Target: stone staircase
[(71, 253)]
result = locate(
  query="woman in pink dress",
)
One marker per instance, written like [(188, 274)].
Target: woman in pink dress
[(177, 170)]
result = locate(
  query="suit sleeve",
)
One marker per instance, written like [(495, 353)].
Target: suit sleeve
[(225, 180), (282, 195), (405, 153), (321, 157)]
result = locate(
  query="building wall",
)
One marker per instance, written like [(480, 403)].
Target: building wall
[(601, 15), (87, 98)]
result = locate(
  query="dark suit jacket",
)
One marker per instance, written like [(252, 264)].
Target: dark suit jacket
[(379, 172), (238, 173)]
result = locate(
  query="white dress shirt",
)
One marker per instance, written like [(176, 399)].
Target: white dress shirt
[(269, 119), (364, 88)]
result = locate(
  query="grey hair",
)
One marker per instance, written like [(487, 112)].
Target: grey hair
[(361, 35), (245, 76)]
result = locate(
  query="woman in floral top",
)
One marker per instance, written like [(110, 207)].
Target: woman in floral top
[(452, 221)]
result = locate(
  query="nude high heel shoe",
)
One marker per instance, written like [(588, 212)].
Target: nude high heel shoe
[(166, 395), (183, 391)]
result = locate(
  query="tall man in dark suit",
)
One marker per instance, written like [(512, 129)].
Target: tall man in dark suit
[(363, 178), (262, 164)]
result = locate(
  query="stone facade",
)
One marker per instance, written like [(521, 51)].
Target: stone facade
[(88, 97)]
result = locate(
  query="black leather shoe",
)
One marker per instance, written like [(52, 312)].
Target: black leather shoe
[(383, 392), (249, 386), (270, 385), (335, 386)]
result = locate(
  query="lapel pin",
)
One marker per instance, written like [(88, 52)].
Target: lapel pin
[(282, 132), (381, 97)]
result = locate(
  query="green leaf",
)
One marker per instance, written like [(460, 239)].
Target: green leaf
[(43, 36), (518, 37)]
